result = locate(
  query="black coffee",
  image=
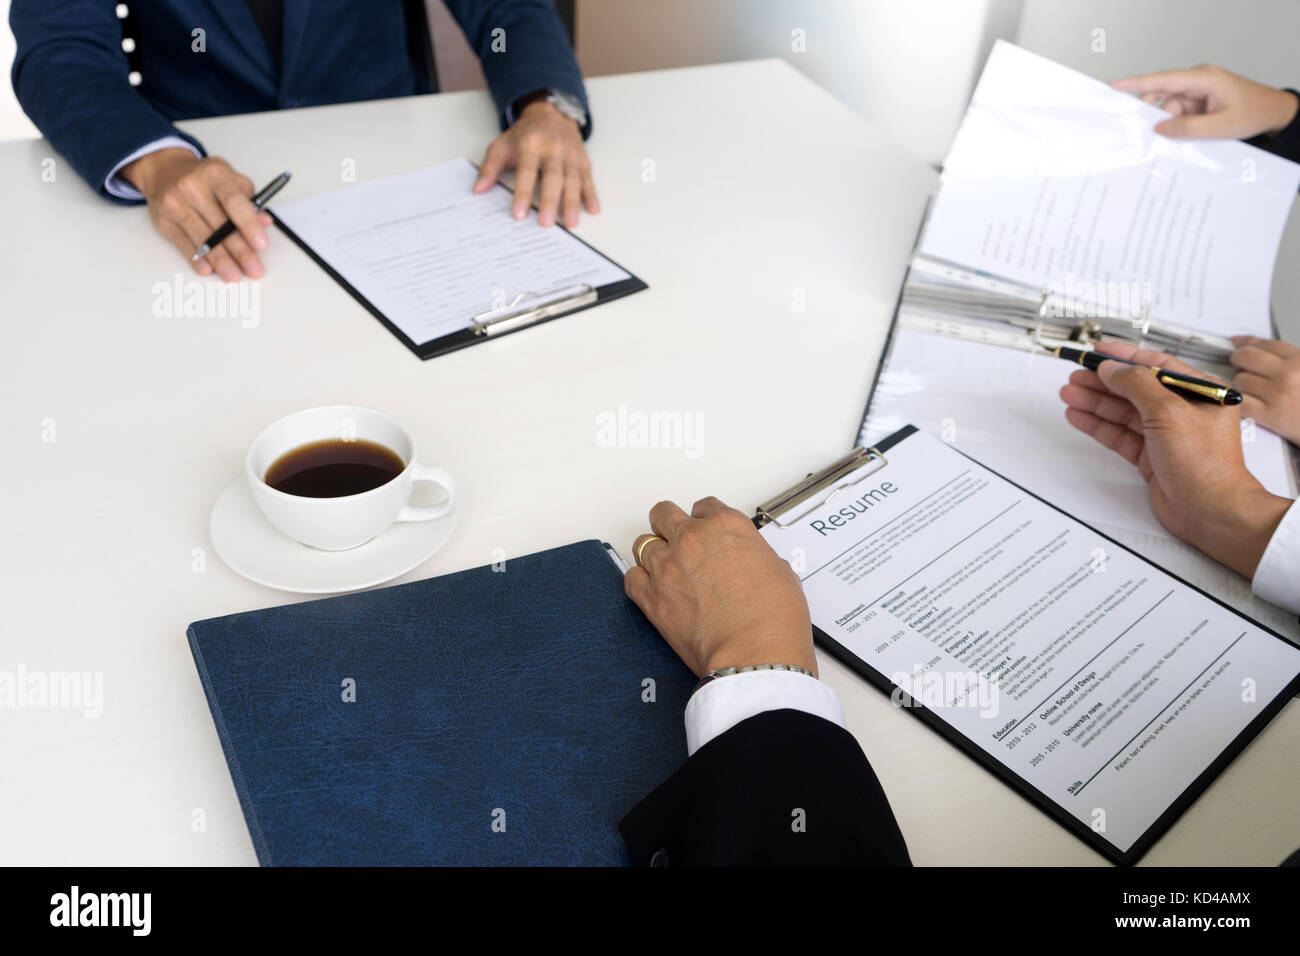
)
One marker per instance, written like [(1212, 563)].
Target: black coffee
[(333, 468)]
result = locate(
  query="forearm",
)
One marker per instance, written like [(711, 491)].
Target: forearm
[(70, 77), (1236, 530), (522, 47)]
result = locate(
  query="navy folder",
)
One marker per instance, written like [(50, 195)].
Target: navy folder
[(500, 717)]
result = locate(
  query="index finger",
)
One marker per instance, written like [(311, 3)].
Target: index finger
[(244, 215), (1165, 81), (1283, 350), (1131, 352), (666, 519)]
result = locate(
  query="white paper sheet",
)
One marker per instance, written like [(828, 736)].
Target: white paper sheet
[(1094, 676), (431, 255), (1056, 179), (1001, 406)]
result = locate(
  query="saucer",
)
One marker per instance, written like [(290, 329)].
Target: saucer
[(251, 546)]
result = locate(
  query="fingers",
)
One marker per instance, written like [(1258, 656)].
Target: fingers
[(548, 203), (709, 506), (233, 256), (589, 197), (1140, 387), (1117, 438), (1166, 82), (1132, 353), (572, 201), (1283, 350), (1100, 404), (525, 180), (1255, 386), (1256, 360), (666, 519), (234, 200), (174, 234), (1252, 407), (495, 161), (648, 549), (1220, 124)]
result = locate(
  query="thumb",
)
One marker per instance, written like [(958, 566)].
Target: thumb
[(1138, 385)]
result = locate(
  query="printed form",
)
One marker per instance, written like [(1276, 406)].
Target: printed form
[(431, 255), (1104, 683)]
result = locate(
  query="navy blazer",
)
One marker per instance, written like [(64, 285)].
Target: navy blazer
[(70, 73)]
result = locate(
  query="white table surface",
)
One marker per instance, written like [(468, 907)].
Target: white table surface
[(763, 185)]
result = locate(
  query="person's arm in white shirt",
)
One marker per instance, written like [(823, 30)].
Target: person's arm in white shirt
[(723, 703), (1277, 579)]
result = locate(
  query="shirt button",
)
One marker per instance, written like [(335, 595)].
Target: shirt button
[(660, 857)]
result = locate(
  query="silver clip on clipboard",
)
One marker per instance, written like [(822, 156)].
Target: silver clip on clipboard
[(812, 487), (529, 307)]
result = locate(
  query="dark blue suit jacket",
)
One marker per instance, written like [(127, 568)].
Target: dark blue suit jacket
[(70, 73)]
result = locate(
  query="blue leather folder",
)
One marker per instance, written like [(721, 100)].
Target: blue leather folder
[(500, 717)]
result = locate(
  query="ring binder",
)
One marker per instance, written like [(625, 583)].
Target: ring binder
[(535, 307)]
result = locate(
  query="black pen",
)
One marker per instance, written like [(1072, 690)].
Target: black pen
[(259, 200), (1183, 384)]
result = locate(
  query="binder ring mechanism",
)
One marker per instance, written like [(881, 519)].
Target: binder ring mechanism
[(529, 307), (811, 487)]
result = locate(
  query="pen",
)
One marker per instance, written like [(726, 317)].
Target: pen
[(1174, 381), (259, 200)]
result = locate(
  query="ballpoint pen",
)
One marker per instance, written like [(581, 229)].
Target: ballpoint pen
[(260, 199), (1186, 385)]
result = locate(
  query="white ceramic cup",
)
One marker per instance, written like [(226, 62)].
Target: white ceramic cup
[(336, 524)]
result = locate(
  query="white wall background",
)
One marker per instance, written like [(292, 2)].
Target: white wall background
[(906, 65), (1256, 38)]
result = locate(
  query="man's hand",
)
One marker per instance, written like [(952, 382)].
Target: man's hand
[(1188, 452), (718, 593), (190, 198), (544, 143), (1268, 378), (1208, 102)]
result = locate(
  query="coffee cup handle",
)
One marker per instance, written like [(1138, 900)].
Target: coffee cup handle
[(438, 476)]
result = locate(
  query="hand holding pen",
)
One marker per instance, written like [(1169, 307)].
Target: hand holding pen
[(1188, 452), (1188, 386)]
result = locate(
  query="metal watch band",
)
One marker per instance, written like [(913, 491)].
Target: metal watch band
[(729, 671)]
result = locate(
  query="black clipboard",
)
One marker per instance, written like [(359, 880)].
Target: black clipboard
[(825, 482), (522, 314)]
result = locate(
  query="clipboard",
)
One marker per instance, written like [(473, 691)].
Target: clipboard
[(527, 309), (819, 488)]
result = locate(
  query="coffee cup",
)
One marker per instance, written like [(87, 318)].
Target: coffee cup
[(336, 476)]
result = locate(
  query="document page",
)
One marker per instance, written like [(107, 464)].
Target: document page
[(431, 255), (1056, 180), (1103, 683)]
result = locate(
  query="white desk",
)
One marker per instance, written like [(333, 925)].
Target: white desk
[(763, 185)]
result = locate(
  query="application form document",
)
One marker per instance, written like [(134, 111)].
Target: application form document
[(1104, 689), (431, 255)]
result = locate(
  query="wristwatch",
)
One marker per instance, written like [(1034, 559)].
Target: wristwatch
[(728, 671), (567, 104)]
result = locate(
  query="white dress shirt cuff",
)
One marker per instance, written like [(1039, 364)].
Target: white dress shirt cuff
[(721, 704), (1277, 579), (119, 187)]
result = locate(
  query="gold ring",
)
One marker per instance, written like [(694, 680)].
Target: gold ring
[(641, 547)]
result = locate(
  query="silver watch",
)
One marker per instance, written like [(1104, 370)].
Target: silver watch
[(570, 106), (729, 671)]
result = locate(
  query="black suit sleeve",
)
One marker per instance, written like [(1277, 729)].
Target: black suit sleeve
[(1286, 142), (781, 788)]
